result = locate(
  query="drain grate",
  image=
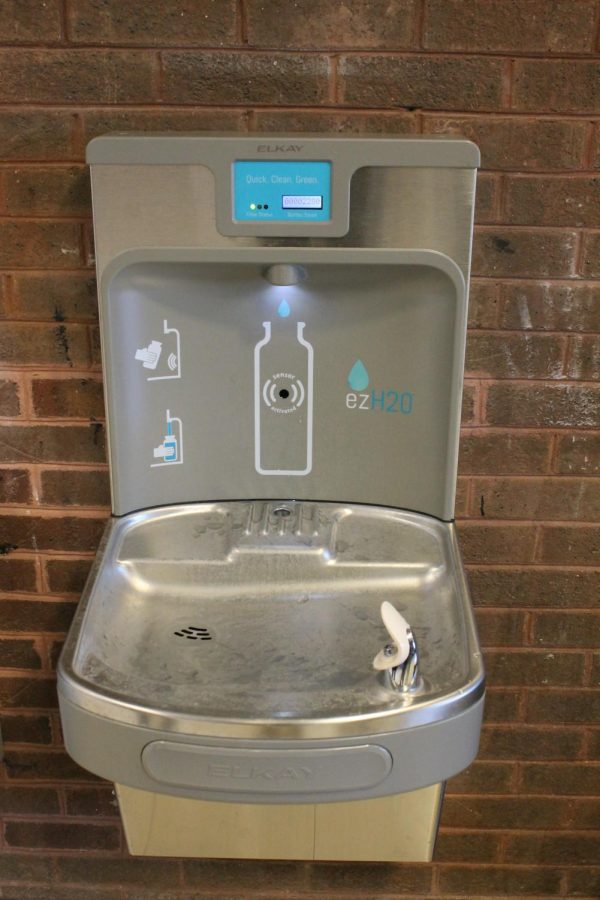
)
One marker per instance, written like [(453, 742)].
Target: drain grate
[(194, 633)]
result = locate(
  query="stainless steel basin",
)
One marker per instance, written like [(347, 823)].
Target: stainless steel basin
[(262, 619)]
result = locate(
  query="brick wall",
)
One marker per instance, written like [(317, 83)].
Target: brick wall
[(520, 77)]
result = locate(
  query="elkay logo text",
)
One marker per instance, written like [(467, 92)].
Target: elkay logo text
[(279, 148), (259, 773)]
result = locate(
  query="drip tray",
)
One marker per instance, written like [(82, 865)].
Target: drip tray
[(259, 622)]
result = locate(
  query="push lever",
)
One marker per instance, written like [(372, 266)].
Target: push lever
[(400, 658)]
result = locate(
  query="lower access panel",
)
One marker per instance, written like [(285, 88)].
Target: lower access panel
[(401, 828), (344, 385)]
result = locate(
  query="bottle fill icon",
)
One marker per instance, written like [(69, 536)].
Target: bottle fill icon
[(283, 398), (170, 451)]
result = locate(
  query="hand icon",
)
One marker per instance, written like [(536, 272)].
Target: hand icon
[(149, 355)]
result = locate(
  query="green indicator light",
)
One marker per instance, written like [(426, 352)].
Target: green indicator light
[(253, 206)]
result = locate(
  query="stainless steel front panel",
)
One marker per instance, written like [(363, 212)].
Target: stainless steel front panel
[(174, 206), (344, 387)]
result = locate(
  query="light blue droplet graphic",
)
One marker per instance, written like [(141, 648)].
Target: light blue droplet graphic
[(358, 378), (284, 309)]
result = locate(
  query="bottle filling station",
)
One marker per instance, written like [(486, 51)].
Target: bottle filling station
[(275, 653)]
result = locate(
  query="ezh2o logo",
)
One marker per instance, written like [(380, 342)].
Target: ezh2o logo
[(389, 401)]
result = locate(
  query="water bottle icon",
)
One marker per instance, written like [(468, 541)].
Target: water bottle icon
[(283, 400)]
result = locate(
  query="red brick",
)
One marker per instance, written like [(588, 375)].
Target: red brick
[(25, 867), (19, 654), (35, 134), (39, 244), (334, 122), (569, 86), (558, 405), (90, 802), (25, 800), (503, 453), (61, 835), (519, 252), (487, 543), (593, 745), (572, 707), (560, 778), (460, 502), (216, 875), (30, 21), (80, 398), (500, 628), (15, 486), (60, 296), (101, 121), (9, 398), (591, 256), (533, 667), (17, 574), (44, 765), (67, 576), (203, 22), (55, 533), (531, 26), (584, 358), (363, 879), (537, 498), (570, 545), (481, 778), (74, 487), (561, 629), (583, 882), (54, 651), (32, 729), (56, 191), (96, 346), (225, 78), (31, 344), (471, 881), (596, 148), (469, 404), (155, 872), (428, 82), (515, 356), (76, 76), (5, 311), (466, 846), (487, 198), (553, 849), (508, 812), (501, 705), (20, 693), (483, 304), (536, 587), (366, 24), (516, 143), (529, 742), (62, 892), (552, 200), (550, 306), (53, 443)]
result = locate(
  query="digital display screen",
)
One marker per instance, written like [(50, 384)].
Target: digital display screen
[(278, 190), (301, 201)]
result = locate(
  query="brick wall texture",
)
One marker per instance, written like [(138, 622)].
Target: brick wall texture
[(522, 79)]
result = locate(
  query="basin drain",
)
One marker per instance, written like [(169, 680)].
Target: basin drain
[(193, 633)]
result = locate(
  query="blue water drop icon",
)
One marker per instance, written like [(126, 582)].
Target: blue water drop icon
[(284, 309), (358, 377)]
